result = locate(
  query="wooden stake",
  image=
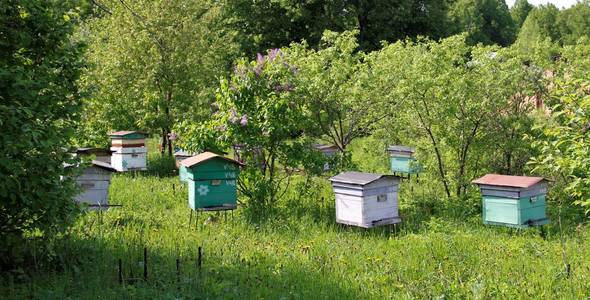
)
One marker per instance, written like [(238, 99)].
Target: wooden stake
[(145, 267), (120, 271), (199, 258)]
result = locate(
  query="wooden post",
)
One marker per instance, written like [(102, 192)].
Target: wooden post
[(177, 269), (120, 271), (199, 258), (145, 268)]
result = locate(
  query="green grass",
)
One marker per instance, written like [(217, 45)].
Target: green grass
[(441, 250)]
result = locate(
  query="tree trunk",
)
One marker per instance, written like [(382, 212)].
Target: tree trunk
[(461, 186), (441, 168), (164, 141), (168, 120)]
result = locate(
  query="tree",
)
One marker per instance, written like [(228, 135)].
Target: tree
[(259, 107), (390, 21), (520, 11), (563, 138), (458, 104), (541, 24), (574, 23), (270, 24), (39, 102), (485, 21), (150, 64), (339, 89)]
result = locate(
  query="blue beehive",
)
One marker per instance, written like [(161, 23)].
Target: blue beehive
[(515, 201), (402, 160), (179, 156)]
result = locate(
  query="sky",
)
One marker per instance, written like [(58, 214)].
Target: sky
[(558, 3)]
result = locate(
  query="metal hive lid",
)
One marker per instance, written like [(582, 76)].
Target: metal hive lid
[(124, 133), (324, 147), (183, 153), (205, 156), (358, 177), (401, 148), (508, 180), (103, 165), (95, 163)]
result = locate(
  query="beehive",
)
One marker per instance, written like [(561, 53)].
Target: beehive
[(212, 181), (328, 151), (181, 155), (129, 149), (94, 183), (402, 160), (515, 201), (100, 154), (366, 199)]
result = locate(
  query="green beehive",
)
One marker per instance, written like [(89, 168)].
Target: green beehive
[(212, 181), (402, 160), (515, 201)]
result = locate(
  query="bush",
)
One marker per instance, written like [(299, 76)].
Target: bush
[(38, 105)]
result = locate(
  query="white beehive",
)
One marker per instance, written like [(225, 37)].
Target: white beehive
[(129, 151), (94, 183), (366, 199)]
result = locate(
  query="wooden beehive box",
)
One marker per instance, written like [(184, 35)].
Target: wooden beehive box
[(402, 160), (212, 181), (94, 183), (179, 156), (100, 154), (129, 151), (328, 151), (515, 201), (366, 199)]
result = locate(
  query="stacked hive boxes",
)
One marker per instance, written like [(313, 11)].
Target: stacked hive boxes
[(129, 151)]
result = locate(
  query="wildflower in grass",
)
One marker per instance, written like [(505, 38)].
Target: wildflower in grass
[(233, 118), (221, 128)]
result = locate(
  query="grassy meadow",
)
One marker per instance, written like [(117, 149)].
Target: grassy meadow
[(440, 250)]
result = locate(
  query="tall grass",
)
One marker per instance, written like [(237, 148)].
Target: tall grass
[(441, 250)]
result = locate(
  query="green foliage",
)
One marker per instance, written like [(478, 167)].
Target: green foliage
[(485, 21), (563, 27), (259, 110), (467, 107), (539, 26), (519, 12), (271, 24), (337, 85), (574, 23), (39, 102), (151, 64), (562, 138)]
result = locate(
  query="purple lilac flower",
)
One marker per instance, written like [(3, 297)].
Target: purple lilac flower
[(272, 53), (244, 120)]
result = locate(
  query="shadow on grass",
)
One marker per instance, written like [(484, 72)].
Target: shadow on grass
[(87, 268)]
